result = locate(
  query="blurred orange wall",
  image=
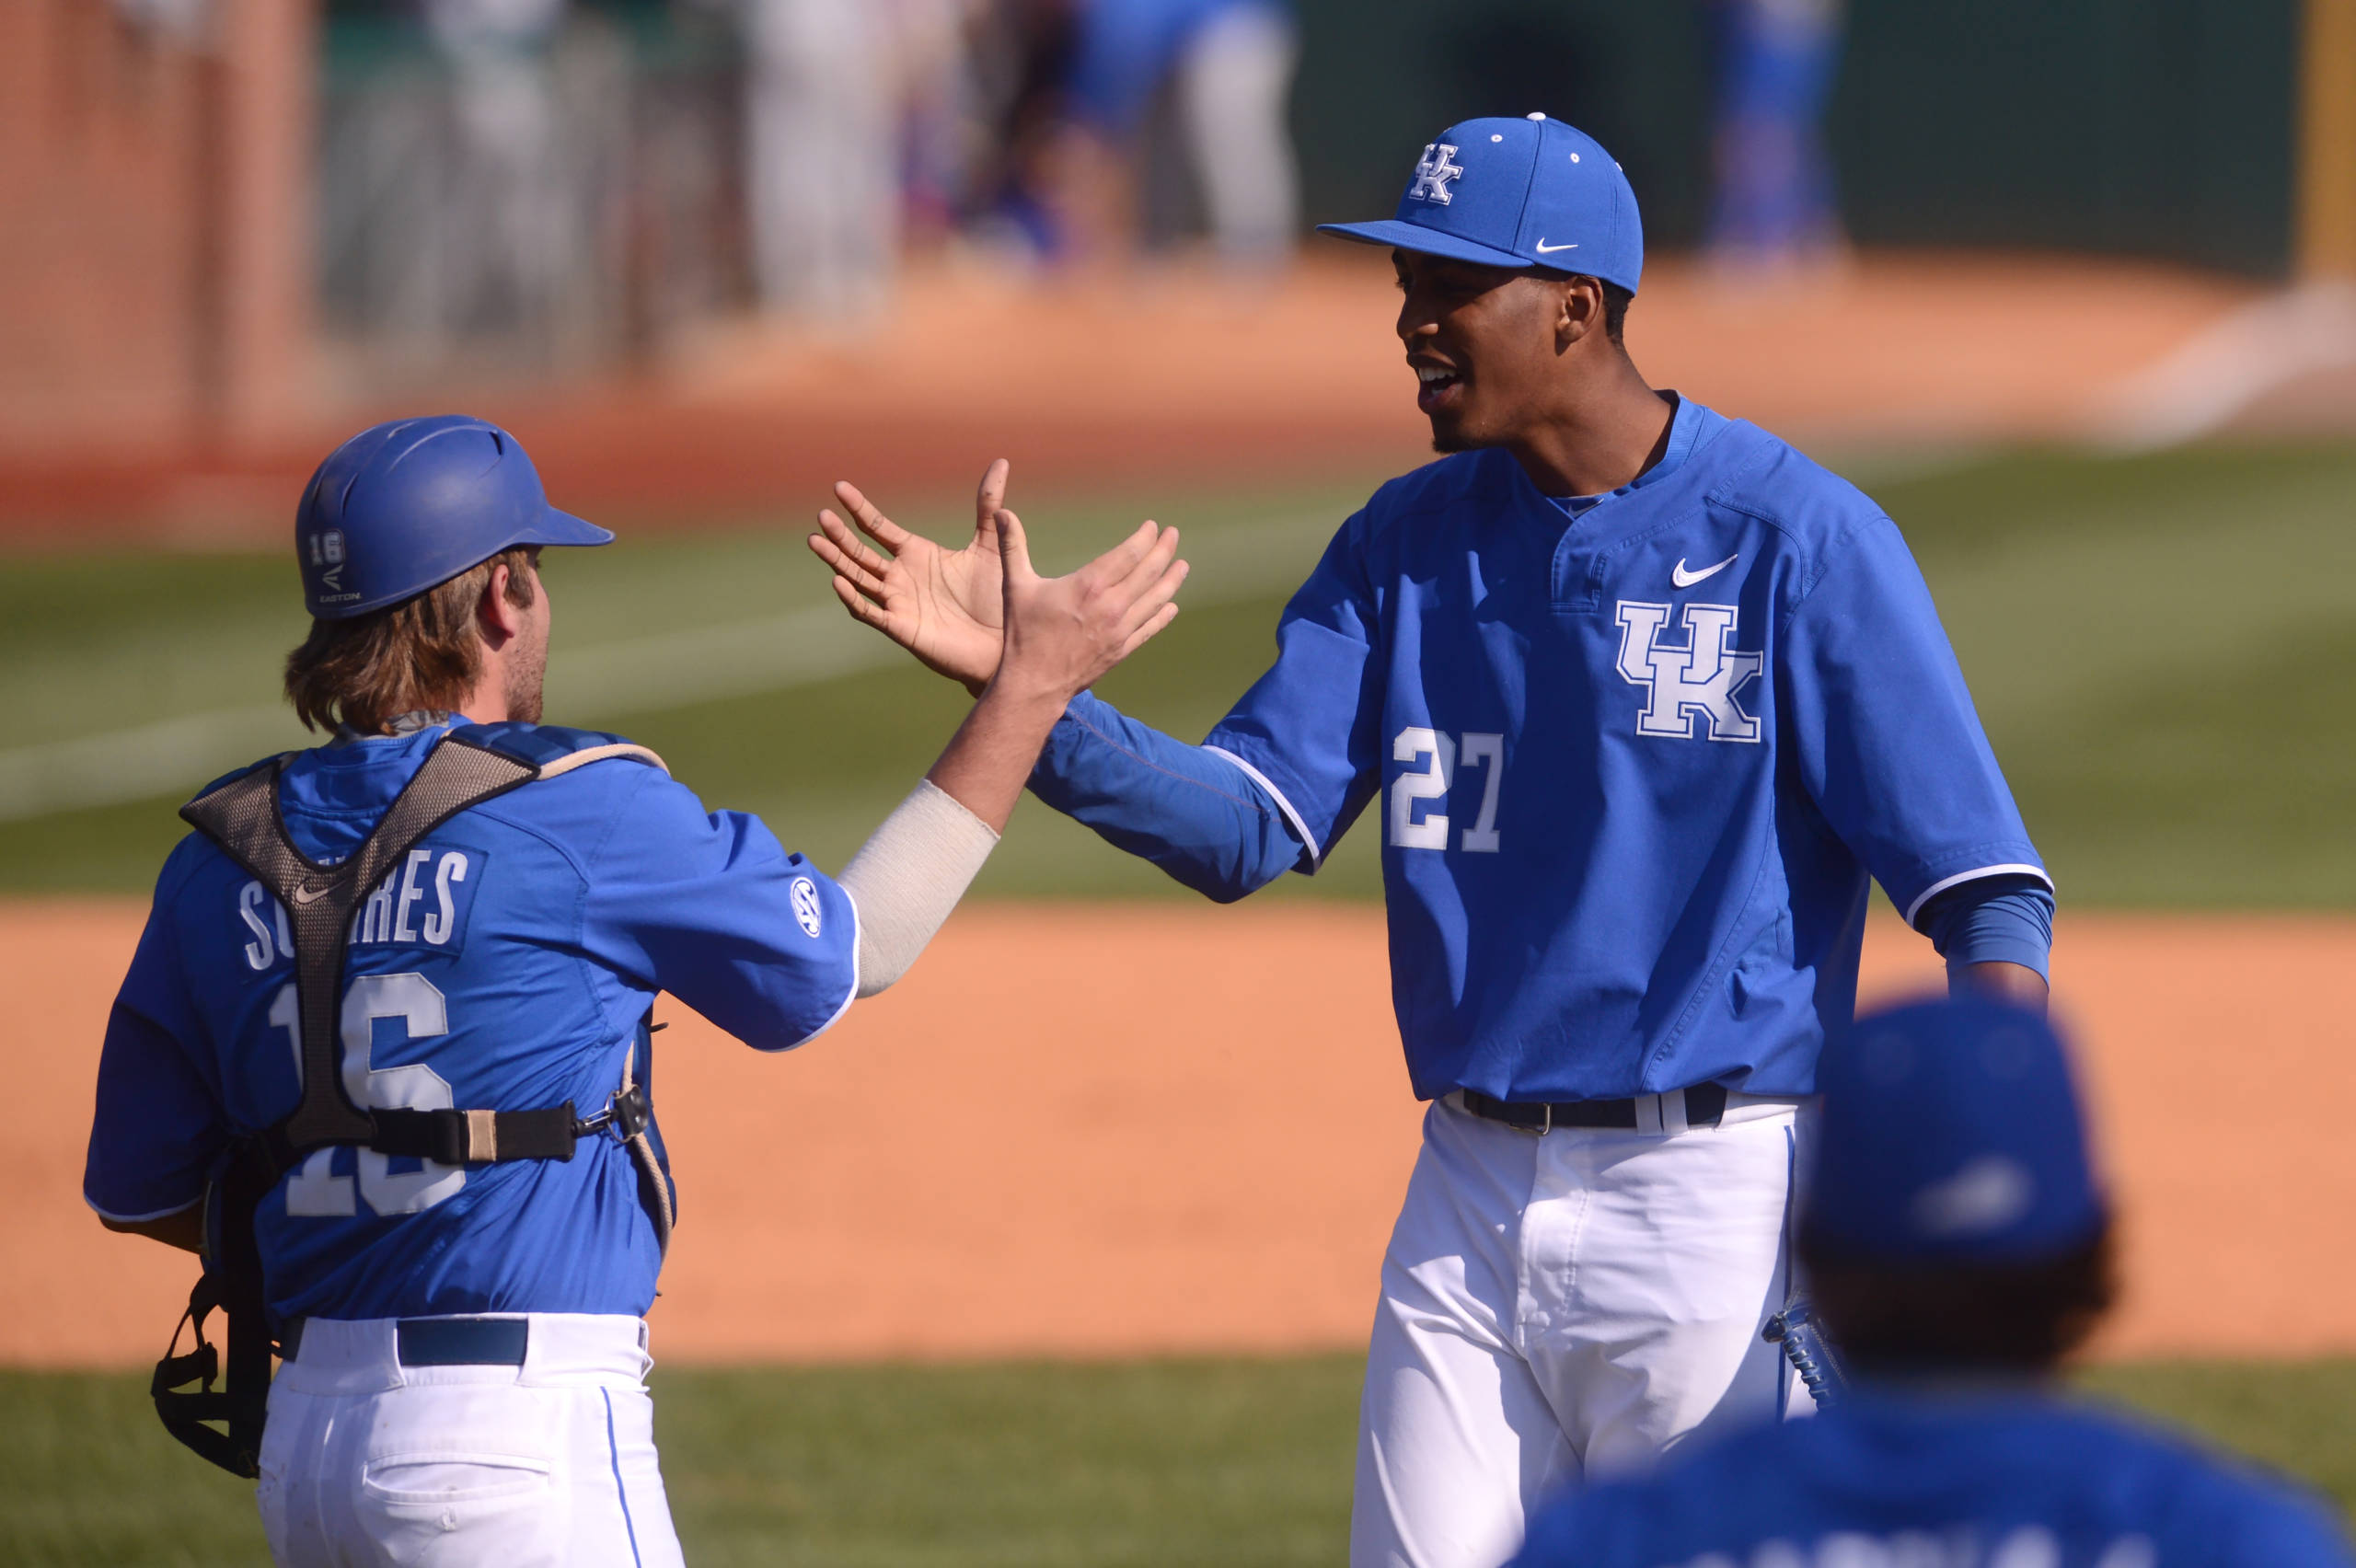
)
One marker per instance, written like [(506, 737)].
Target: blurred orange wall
[(2328, 140), (153, 197)]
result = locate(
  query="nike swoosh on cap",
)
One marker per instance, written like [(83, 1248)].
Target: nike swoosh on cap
[(1546, 249), (1684, 579)]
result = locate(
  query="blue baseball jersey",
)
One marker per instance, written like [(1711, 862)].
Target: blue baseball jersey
[(504, 964), (1633, 770), (1952, 1481)]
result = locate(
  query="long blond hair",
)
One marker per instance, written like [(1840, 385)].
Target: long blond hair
[(423, 653)]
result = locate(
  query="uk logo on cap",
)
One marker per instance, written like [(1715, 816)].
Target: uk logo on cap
[(1433, 171), (1522, 192)]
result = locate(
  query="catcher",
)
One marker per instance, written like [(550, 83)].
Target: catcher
[(390, 1015), (1960, 1250)]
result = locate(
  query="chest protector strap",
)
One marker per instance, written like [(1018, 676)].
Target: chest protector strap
[(242, 816)]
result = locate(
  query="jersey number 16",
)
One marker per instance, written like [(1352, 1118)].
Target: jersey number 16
[(315, 1191)]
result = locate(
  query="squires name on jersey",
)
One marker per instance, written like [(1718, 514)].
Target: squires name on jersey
[(422, 903)]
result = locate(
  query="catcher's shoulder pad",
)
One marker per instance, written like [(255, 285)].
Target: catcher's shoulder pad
[(554, 749), (236, 773)]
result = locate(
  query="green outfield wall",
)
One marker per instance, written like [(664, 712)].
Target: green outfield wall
[(2162, 128)]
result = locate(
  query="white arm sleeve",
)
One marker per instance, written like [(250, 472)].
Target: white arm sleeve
[(908, 876)]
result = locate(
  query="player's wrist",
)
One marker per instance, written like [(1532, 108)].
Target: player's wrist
[(1029, 693)]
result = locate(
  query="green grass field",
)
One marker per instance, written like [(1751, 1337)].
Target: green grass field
[(2157, 645), (1176, 1464)]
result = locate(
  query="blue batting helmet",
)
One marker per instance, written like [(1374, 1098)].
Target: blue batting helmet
[(410, 504)]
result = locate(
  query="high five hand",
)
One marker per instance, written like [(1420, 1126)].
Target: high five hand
[(1062, 633), (942, 605)]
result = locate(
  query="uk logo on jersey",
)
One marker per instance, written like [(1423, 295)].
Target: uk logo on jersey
[(1699, 680), (1434, 170)]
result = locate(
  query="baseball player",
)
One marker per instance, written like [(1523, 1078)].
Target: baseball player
[(1960, 1248), (390, 1013), (1641, 701)]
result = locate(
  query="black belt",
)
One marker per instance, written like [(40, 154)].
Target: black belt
[(1705, 1106), (461, 1342), (443, 1341)]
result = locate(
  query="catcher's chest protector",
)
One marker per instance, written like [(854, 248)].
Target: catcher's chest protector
[(242, 816)]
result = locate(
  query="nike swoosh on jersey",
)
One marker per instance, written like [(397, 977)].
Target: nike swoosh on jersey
[(308, 894), (1684, 579), (1546, 249)]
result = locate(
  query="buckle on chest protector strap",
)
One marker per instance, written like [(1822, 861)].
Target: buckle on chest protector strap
[(627, 1112), (476, 1138)]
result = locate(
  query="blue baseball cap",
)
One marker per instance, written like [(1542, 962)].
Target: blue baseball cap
[(409, 504), (1530, 192), (1952, 1134)]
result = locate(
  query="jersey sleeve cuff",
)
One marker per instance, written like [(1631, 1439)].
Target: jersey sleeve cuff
[(851, 994), (1300, 825), (2013, 869), (113, 1218)]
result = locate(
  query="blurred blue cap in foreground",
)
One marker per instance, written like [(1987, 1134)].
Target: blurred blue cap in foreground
[(1952, 1133)]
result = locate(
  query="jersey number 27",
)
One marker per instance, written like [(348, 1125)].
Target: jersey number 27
[(315, 1191), (1426, 785)]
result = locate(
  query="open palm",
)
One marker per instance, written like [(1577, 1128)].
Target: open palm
[(946, 607)]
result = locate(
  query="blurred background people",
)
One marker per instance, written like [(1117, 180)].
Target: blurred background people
[(509, 202), (181, 21), (574, 178), (1959, 1248), (1224, 70), (1019, 56), (822, 164), (1773, 209), (858, 142), (935, 103)]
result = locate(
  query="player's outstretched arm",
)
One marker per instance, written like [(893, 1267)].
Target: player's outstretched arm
[(1196, 813), (946, 607), (1061, 635)]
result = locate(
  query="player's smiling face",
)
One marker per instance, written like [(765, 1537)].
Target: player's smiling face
[(1483, 343)]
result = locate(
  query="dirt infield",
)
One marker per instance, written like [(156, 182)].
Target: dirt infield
[(1184, 377), (1106, 1130)]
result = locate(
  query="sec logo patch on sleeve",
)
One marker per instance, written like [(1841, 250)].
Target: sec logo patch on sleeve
[(804, 894)]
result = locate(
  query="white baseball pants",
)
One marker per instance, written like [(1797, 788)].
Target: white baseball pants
[(1560, 1306), (366, 1462)]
